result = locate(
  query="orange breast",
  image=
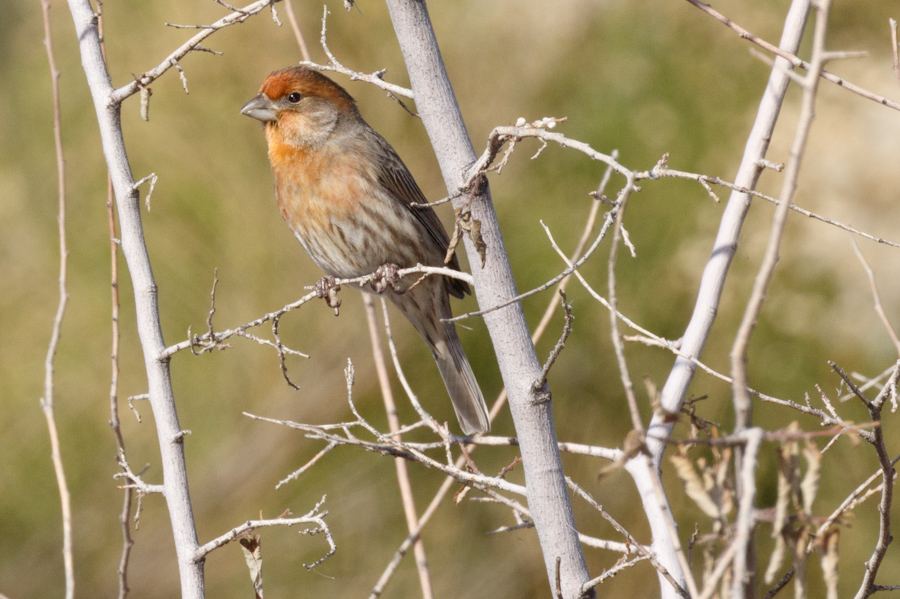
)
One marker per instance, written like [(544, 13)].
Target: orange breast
[(315, 188)]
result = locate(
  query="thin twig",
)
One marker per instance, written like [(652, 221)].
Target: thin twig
[(314, 516), (878, 308), (852, 500), (295, 27), (426, 417), (632, 542), (894, 49), (538, 385), (128, 492), (754, 305), (572, 268), (704, 179), (386, 446), (797, 62), (206, 342), (406, 494), (146, 78), (622, 564), (615, 335), (867, 586), (780, 584), (742, 404), (377, 78), (296, 473), (745, 523), (47, 399)]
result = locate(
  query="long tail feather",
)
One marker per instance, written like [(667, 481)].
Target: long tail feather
[(471, 410)]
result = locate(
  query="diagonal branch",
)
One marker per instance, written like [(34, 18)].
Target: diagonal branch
[(743, 407), (712, 282), (148, 77), (791, 58)]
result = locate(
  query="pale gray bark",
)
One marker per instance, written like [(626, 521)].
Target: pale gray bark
[(713, 280), (711, 285), (548, 498), (162, 400)]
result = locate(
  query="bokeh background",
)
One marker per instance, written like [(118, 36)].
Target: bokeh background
[(641, 77)]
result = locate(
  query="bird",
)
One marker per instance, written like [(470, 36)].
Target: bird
[(356, 209)]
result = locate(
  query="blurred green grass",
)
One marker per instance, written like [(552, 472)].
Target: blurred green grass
[(644, 78)]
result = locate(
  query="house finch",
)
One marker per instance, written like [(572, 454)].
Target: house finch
[(348, 198)]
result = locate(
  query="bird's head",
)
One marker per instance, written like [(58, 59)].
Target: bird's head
[(300, 107)]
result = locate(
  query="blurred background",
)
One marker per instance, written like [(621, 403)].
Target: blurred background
[(642, 77)]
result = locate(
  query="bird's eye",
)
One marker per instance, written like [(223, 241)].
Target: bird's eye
[(294, 97)]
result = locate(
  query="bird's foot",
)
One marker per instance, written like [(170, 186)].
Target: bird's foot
[(387, 275), (327, 289)]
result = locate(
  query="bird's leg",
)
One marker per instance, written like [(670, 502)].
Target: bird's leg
[(387, 275), (327, 289)]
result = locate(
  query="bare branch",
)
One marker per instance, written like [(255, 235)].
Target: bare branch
[(781, 584), (376, 78), (618, 345), (632, 542), (713, 279), (295, 27), (622, 564), (793, 59), (538, 385), (386, 446), (239, 15), (894, 47), (745, 523), (878, 309), (743, 407), (406, 494), (207, 342), (314, 516), (47, 399)]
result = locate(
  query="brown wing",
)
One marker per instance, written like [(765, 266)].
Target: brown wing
[(397, 179)]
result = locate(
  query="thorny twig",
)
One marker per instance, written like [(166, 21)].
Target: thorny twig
[(618, 345), (314, 516), (207, 342), (146, 78), (502, 135), (797, 62), (867, 586), (376, 78), (538, 385), (632, 542)]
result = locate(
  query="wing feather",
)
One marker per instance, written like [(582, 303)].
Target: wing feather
[(396, 178)]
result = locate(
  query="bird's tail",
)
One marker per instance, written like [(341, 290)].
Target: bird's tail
[(468, 402), (425, 305)]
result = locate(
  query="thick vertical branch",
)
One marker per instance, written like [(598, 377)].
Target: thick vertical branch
[(162, 400), (47, 399), (127, 492), (713, 280), (531, 409)]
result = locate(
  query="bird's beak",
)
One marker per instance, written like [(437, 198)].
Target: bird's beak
[(261, 108)]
